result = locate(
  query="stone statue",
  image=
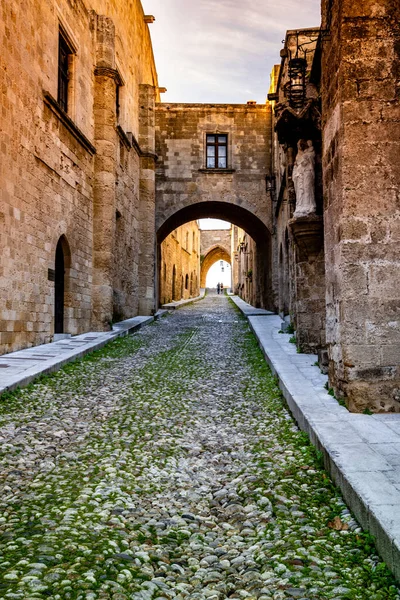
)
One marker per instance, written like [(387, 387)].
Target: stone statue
[(304, 179), (282, 160)]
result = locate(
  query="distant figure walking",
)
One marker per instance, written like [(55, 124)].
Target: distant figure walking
[(222, 288), (218, 288)]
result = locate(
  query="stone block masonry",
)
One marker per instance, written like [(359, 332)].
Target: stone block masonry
[(71, 171), (361, 132), (187, 189), (180, 264)]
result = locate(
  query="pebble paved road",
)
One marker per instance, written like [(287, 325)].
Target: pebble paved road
[(166, 466)]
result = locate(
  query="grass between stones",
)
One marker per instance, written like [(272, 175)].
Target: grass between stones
[(167, 466), (313, 535)]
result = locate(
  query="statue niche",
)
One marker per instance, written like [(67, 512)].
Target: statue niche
[(304, 179)]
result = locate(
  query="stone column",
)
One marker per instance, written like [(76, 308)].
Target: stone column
[(361, 132), (309, 282), (105, 81), (147, 229)]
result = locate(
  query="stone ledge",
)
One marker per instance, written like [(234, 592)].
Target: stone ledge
[(68, 123), (361, 452), (218, 171), (249, 310), (308, 233)]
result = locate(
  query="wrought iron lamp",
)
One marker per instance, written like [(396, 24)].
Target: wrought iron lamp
[(297, 82), (270, 183)]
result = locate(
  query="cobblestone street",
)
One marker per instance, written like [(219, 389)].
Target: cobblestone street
[(167, 466)]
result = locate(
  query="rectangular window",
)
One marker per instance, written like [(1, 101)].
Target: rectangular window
[(64, 52), (217, 151)]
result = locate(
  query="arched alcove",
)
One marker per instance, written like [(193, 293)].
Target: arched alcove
[(236, 214), (174, 283), (61, 282)]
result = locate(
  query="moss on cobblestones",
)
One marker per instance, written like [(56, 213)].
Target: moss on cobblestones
[(167, 466)]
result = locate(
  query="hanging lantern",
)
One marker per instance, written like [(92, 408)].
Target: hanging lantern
[(297, 82)]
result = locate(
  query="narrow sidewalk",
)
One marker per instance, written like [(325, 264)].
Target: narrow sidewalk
[(18, 369), (361, 452)]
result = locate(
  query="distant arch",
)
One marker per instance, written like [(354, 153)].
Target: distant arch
[(213, 255)]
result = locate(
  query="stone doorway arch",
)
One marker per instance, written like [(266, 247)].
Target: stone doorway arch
[(242, 217), (61, 282)]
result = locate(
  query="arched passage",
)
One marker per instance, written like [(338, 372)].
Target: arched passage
[(213, 255), (62, 265), (241, 217)]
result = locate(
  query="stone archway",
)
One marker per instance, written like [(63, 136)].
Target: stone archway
[(242, 217), (213, 255)]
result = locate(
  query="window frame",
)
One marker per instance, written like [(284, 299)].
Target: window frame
[(64, 70), (217, 144)]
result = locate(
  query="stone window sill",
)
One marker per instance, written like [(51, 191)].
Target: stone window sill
[(219, 171), (68, 123)]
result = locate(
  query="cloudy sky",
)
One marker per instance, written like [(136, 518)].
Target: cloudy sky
[(222, 50)]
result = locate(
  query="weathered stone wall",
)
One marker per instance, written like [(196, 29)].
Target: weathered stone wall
[(245, 268), (46, 174), (361, 133), (237, 194), (180, 264), (68, 174), (182, 177)]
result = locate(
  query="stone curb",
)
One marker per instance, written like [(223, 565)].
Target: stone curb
[(353, 445), (17, 380), (248, 310), (180, 303)]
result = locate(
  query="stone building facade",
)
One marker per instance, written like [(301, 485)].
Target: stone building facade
[(336, 262), (180, 264), (191, 186), (74, 158)]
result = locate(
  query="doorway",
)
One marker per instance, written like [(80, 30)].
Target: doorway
[(59, 288)]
